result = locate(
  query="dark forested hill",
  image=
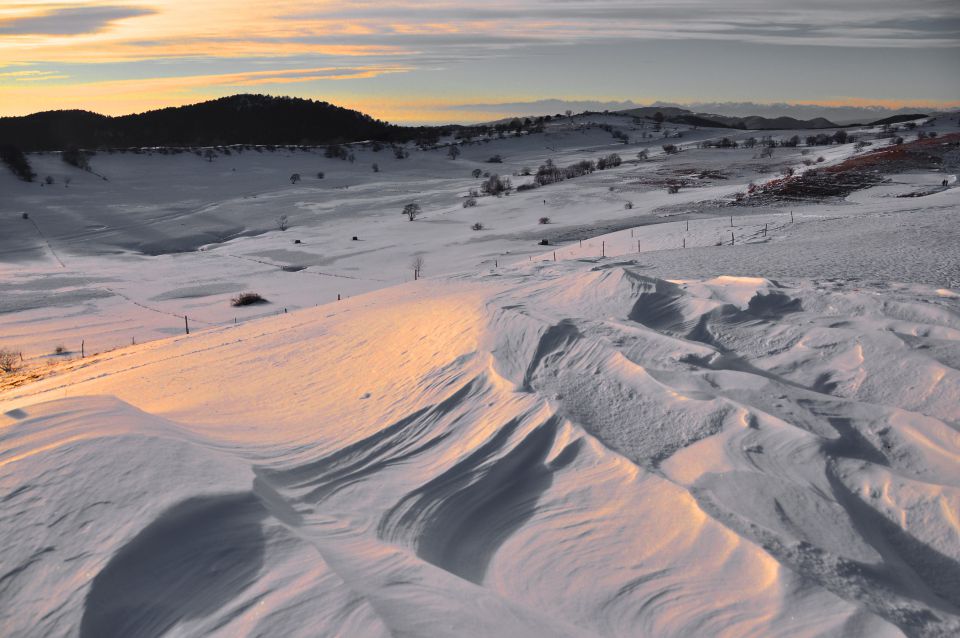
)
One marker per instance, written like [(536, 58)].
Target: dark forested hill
[(238, 119)]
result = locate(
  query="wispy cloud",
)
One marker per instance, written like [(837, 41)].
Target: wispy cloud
[(429, 37), (31, 76), (69, 20)]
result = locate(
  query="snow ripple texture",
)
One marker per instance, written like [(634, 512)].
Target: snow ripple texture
[(558, 450)]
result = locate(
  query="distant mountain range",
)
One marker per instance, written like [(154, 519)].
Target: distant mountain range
[(841, 115), (238, 119), (752, 122)]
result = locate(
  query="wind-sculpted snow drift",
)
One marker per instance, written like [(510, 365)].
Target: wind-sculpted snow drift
[(558, 449)]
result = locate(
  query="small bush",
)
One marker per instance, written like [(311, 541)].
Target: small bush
[(496, 159), (412, 211), (670, 149), (9, 360), (476, 172), (470, 202), (59, 350), (673, 189), (527, 187), (628, 205), (247, 299), (320, 175), (477, 226), (544, 220)]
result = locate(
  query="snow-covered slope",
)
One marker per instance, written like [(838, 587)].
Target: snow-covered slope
[(568, 448), (688, 424), (110, 262)]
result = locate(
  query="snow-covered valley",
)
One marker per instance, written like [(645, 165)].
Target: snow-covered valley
[(682, 418)]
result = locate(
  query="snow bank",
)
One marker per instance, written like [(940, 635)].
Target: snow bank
[(557, 449)]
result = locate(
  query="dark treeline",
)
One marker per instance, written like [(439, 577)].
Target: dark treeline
[(238, 119)]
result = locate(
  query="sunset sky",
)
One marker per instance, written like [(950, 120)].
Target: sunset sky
[(444, 61)]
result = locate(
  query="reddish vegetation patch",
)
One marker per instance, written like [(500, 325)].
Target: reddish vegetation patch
[(925, 153), (861, 171)]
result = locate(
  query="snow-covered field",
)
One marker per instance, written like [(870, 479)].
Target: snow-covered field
[(645, 433)]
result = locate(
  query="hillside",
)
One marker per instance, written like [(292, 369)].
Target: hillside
[(267, 120), (238, 119)]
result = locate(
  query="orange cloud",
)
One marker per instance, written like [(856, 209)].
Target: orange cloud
[(116, 97)]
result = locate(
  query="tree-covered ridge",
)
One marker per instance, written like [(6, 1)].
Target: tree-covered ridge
[(237, 119)]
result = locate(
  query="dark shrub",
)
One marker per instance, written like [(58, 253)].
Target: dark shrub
[(75, 157), (247, 299), (496, 185)]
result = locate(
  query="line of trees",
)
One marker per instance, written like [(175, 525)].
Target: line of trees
[(17, 162)]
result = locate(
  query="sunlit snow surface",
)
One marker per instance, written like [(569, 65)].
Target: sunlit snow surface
[(749, 440), (569, 449)]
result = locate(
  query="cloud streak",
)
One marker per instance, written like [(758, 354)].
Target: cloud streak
[(124, 40), (70, 20)]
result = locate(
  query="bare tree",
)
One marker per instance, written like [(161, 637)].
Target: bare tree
[(412, 211), (282, 222), (417, 265), (454, 152), (295, 178), (209, 154)]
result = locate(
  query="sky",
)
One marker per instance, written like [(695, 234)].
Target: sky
[(426, 61)]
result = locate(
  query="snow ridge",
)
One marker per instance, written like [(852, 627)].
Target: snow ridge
[(558, 449)]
